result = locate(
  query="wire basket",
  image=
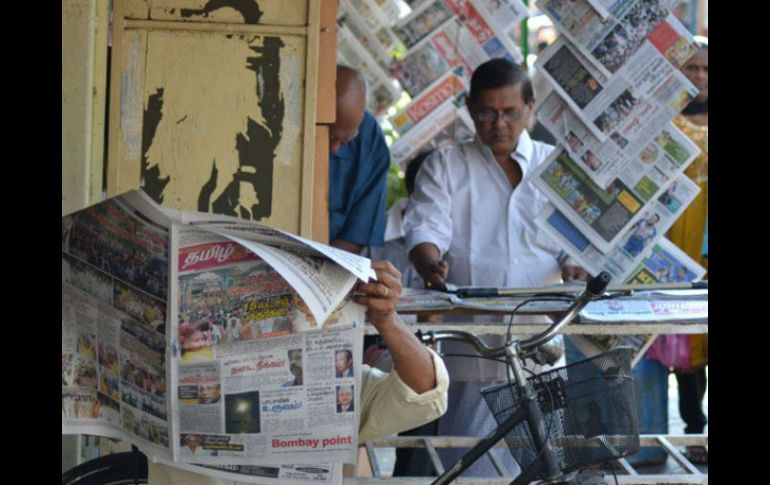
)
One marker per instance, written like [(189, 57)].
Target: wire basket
[(588, 409)]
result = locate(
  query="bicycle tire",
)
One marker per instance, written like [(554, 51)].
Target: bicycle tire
[(117, 469)]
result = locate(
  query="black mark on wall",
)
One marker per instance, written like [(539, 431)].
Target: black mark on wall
[(248, 8), (256, 147), (153, 183), (208, 189)]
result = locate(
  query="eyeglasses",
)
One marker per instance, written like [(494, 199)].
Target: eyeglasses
[(508, 115)]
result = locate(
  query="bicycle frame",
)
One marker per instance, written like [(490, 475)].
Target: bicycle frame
[(529, 410)]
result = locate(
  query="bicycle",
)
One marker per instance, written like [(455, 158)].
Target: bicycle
[(558, 422), (117, 469)]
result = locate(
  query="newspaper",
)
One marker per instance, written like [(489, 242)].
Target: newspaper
[(603, 215), (223, 375), (379, 41), (450, 86), (633, 244), (294, 474), (449, 46), (372, 13), (645, 94), (666, 263), (382, 93), (601, 7), (504, 17), (611, 42), (421, 22), (447, 124), (667, 153), (489, 29)]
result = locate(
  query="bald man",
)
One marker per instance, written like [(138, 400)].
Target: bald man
[(358, 165)]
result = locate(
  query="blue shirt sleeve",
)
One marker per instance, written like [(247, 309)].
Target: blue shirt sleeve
[(357, 179)]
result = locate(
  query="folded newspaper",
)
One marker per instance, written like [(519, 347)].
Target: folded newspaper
[(208, 340), (666, 263)]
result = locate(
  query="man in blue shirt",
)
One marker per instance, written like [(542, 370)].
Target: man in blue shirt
[(358, 165)]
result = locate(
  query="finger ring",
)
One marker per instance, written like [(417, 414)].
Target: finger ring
[(387, 290)]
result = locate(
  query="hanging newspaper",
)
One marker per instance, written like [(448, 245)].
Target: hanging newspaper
[(666, 263), (646, 93), (449, 46), (491, 36), (193, 336), (603, 215), (645, 164), (633, 244), (504, 17), (609, 44), (371, 13), (379, 43), (448, 124), (382, 92), (422, 22), (451, 86)]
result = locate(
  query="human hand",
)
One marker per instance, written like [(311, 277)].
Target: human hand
[(571, 272), (380, 297), (434, 273)]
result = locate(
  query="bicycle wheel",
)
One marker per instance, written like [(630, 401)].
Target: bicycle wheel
[(118, 469)]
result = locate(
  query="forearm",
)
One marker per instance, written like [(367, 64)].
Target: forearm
[(348, 246), (410, 358)]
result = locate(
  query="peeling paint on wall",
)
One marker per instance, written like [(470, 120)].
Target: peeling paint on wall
[(216, 123)]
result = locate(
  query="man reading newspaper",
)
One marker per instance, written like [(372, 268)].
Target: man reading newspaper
[(415, 392)]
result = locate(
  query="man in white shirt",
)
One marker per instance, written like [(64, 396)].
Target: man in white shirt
[(413, 393), (471, 221)]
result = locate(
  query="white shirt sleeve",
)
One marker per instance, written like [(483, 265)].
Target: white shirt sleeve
[(428, 217)]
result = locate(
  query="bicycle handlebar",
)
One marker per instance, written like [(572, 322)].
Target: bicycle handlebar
[(595, 288)]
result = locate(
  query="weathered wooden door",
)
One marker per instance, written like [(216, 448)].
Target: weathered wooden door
[(213, 106)]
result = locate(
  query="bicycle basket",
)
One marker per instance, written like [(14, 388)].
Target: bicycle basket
[(588, 409)]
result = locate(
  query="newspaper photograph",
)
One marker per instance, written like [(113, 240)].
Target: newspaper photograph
[(636, 162), (452, 86), (646, 93), (667, 264), (634, 243), (421, 22)]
